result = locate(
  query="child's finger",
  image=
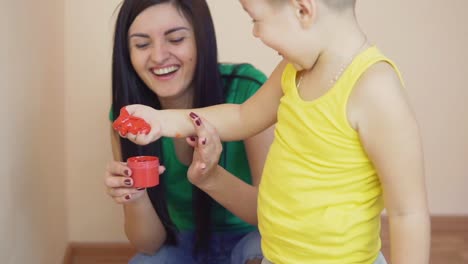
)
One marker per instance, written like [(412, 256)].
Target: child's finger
[(130, 136), (131, 109), (141, 139)]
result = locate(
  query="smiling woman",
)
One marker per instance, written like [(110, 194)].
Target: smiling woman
[(165, 56)]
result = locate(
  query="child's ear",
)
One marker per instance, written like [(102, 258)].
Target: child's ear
[(305, 11)]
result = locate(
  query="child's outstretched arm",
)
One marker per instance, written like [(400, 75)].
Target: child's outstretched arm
[(388, 130), (232, 121)]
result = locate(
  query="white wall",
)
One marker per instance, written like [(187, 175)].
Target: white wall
[(428, 40), (92, 216), (234, 35), (419, 35), (32, 194), (6, 195)]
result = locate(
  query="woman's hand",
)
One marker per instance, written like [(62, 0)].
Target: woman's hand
[(207, 150), (119, 183)]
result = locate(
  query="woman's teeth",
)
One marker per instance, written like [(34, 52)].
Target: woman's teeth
[(164, 71)]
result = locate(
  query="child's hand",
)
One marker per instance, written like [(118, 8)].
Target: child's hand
[(207, 150), (139, 124)]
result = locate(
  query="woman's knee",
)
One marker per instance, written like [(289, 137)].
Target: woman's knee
[(141, 258), (167, 254), (247, 250)]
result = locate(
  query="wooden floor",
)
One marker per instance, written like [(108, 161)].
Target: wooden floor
[(449, 245), (449, 240)]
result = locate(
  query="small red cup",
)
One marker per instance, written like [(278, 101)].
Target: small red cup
[(145, 171)]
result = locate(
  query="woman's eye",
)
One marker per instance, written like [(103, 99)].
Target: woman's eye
[(141, 46), (177, 40)]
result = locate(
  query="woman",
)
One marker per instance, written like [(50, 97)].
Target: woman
[(165, 56)]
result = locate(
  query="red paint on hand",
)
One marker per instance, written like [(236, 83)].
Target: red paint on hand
[(126, 123)]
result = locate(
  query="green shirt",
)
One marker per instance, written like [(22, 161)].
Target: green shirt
[(243, 81)]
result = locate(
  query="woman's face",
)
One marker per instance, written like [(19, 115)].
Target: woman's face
[(163, 52)]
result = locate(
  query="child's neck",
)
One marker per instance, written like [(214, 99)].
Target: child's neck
[(340, 47), (342, 43)]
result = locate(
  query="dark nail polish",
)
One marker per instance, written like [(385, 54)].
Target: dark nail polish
[(128, 182), (198, 122), (193, 115), (192, 138), (204, 141), (127, 197), (126, 172)]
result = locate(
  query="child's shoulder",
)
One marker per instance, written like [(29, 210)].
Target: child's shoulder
[(378, 95), (380, 77)]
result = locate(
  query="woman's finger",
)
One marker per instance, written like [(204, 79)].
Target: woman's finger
[(198, 124), (117, 192), (162, 169), (118, 181), (192, 141), (202, 141), (123, 198), (129, 196), (115, 168)]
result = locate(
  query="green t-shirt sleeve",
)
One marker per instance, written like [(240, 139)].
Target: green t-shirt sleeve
[(243, 80), (111, 114)]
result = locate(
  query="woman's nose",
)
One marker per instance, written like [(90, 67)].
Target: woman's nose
[(159, 53)]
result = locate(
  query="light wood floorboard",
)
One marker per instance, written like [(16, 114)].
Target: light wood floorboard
[(449, 245)]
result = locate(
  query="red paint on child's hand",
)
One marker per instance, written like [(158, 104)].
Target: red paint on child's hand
[(126, 123)]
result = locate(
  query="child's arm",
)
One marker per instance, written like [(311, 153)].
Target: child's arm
[(232, 121), (388, 130)]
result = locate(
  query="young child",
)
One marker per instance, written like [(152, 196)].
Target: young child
[(346, 141)]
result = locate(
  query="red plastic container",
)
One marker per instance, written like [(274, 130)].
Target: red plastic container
[(145, 171)]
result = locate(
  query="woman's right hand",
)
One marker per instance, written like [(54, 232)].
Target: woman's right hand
[(119, 183)]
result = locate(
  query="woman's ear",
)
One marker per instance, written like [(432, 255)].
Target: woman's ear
[(306, 11)]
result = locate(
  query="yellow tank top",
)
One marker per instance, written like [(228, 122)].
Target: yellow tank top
[(320, 198)]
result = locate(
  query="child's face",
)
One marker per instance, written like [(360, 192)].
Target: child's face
[(274, 25), (163, 50), (271, 23)]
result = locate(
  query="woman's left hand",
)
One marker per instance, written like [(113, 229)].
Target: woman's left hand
[(207, 150)]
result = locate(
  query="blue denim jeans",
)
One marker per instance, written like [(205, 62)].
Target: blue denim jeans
[(224, 248)]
